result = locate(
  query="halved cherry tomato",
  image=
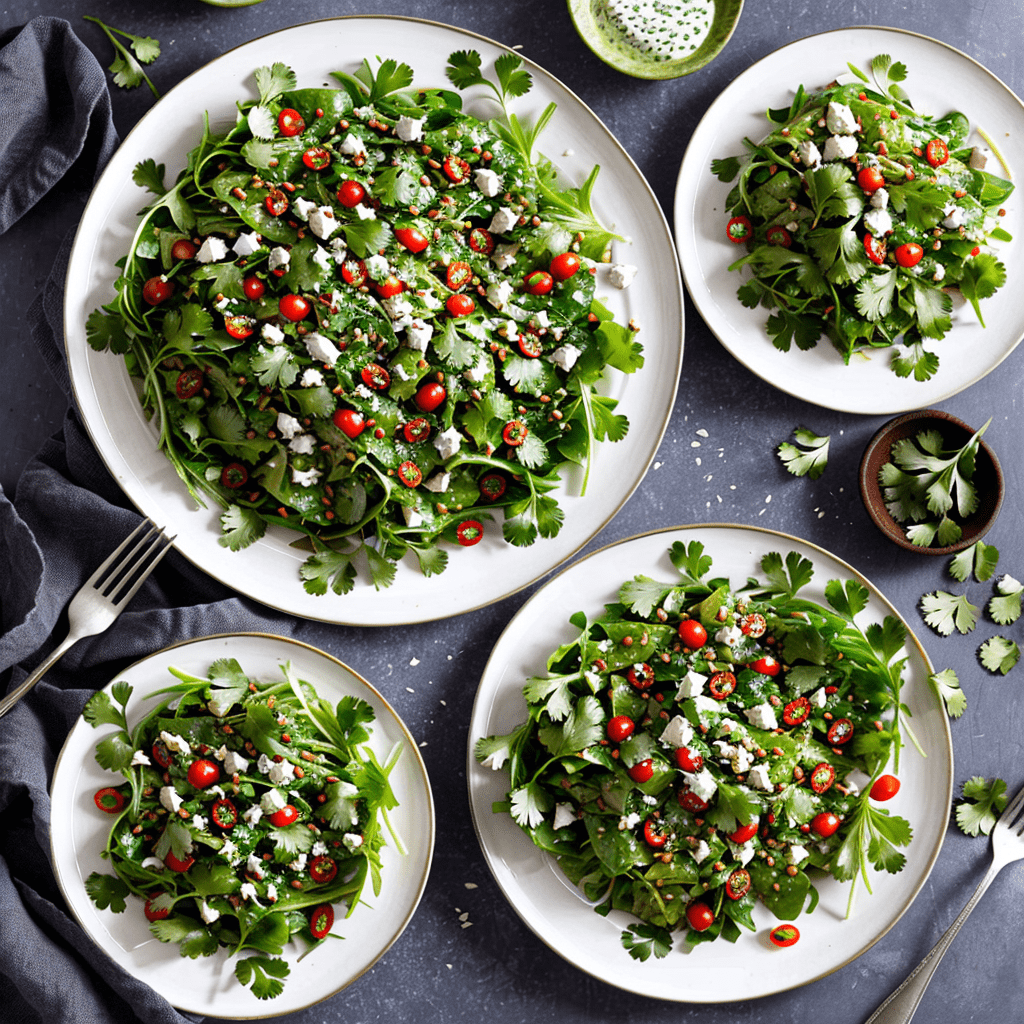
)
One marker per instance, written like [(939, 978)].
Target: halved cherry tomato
[(737, 885), (652, 836), (744, 833), (825, 824), (885, 787), (936, 152), (514, 433), (874, 249), (620, 728), (351, 193), (410, 474), (492, 486), (284, 816), (909, 254), (239, 326), (870, 179), (349, 422), (416, 430), (389, 287), (722, 685), (689, 801), (564, 266), (289, 122), (430, 396), (840, 731), (316, 158), (172, 862), (155, 913), (699, 916), (469, 532), (224, 814), (460, 304), (530, 345), (183, 249), (784, 935), (234, 475), (693, 634), (481, 240), (108, 799), (157, 290), (754, 624), (640, 676), (203, 773), (778, 235), (353, 272), (412, 239), (642, 771), (323, 868), (689, 760), (188, 383), (797, 711), (162, 755), (739, 229), (766, 665), (293, 307), (822, 776), (375, 376), (456, 169), (321, 919), (538, 282), (253, 288), (459, 274), (276, 203)]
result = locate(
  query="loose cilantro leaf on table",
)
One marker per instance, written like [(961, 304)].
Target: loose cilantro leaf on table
[(1005, 605), (999, 654), (945, 612), (980, 558), (127, 66), (808, 457), (947, 686), (982, 801)]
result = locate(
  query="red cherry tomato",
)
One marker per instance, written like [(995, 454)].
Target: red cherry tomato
[(909, 254), (187, 384), (234, 475), (870, 179), (321, 919), (642, 771), (389, 287), (797, 711), (689, 801), (699, 916), (655, 839), (289, 122), (373, 375), (514, 433), (492, 486), (766, 665), (822, 776), (693, 634), (840, 731), (456, 169), (458, 275), (936, 152), (620, 728), (412, 239), (351, 193), (885, 787), (154, 913), (353, 272), (183, 249), (874, 249), (754, 624), (224, 814), (416, 430), (239, 326), (276, 203), (323, 868), (784, 935), (640, 676), (293, 307), (157, 290), (737, 885), (349, 422), (481, 241), (778, 235), (175, 864), (722, 685), (739, 229), (538, 282), (689, 760), (203, 773), (410, 474), (109, 800), (429, 397), (825, 824), (564, 266), (469, 532), (253, 288), (284, 816), (744, 833), (459, 304), (316, 158)]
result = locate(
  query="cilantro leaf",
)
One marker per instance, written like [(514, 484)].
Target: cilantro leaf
[(106, 332), (150, 175), (128, 60), (583, 726), (642, 594), (998, 654), (328, 568), (641, 940), (1005, 605), (529, 803), (690, 560), (945, 612), (273, 81), (265, 973), (787, 580), (914, 361), (982, 275), (810, 459), (241, 527), (982, 801), (107, 891), (980, 558), (947, 686)]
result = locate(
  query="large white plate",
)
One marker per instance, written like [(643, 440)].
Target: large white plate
[(939, 79), (268, 571), (714, 972), (208, 985)]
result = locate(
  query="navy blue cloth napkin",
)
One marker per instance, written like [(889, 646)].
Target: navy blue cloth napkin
[(67, 515)]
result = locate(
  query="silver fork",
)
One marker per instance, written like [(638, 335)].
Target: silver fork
[(1007, 846), (103, 596)]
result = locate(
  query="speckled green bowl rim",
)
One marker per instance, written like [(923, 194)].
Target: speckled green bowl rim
[(727, 14)]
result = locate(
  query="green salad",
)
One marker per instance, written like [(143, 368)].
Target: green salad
[(698, 749), (859, 215), (366, 316), (249, 810)]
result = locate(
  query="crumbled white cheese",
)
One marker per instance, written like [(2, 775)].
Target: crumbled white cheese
[(729, 635), (565, 356), (878, 222), (629, 821), (212, 250), (839, 119), (175, 743), (706, 706), (170, 799), (283, 771), (303, 207), (249, 892), (252, 816), (979, 157), (352, 145), (879, 198), (418, 334), (487, 181), (758, 777), (503, 221), (279, 258), (305, 477), (809, 154), (366, 212), (288, 426), (954, 217), (398, 307), (439, 482), (504, 255), (839, 147), (448, 442), (564, 815), (311, 377), (322, 258), (322, 222), (235, 763), (140, 758), (702, 852), (478, 372), (207, 913), (352, 841), (272, 334), (761, 716), (321, 349), (819, 697), (499, 293), (409, 129), (691, 685), (795, 854), (620, 275), (272, 800), (302, 444), (701, 783), (411, 516), (246, 243), (678, 732), (377, 267)]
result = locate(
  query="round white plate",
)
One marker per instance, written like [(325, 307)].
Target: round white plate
[(939, 79), (268, 570), (208, 985), (718, 971)]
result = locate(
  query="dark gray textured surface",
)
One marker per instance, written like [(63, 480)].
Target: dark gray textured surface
[(497, 970)]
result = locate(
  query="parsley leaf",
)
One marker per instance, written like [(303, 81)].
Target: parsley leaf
[(787, 580), (690, 560), (641, 940), (810, 459), (982, 275), (529, 803), (998, 654), (241, 527), (945, 612), (1005, 606), (150, 175), (328, 568), (947, 686), (982, 801), (128, 60)]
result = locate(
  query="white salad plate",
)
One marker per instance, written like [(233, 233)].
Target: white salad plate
[(575, 139), (939, 79), (718, 971), (207, 985)]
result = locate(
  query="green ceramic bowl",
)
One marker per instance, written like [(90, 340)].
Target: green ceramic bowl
[(661, 49)]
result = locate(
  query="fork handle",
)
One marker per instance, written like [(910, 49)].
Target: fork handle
[(16, 694), (903, 1003)]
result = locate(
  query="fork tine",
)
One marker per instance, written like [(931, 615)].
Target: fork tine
[(136, 556), (146, 524), (1011, 811), (161, 544)]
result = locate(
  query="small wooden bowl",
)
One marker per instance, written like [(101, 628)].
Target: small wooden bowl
[(988, 478)]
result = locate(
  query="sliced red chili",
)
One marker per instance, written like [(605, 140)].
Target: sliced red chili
[(642, 771), (276, 202), (375, 376), (737, 885), (739, 229), (353, 272), (316, 158), (778, 235), (654, 838), (410, 474), (530, 345), (234, 475), (109, 800), (459, 274), (481, 240), (754, 624), (224, 814), (514, 433), (492, 486), (321, 919), (469, 532), (766, 665), (874, 249), (822, 776), (162, 755), (797, 711), (722, 685), (456, 169), (936, 152), (188, 383), (840, 731), (416, 430), (641, 676), (323, 868), (784, 935)]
